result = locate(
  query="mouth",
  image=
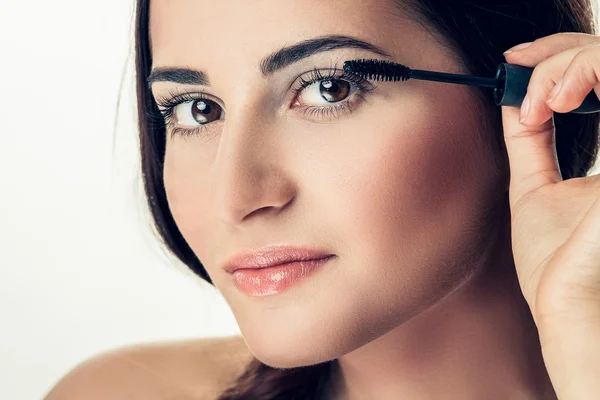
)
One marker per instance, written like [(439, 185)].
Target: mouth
[(270, 280)]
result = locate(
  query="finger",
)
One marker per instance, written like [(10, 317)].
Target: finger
[(547, 46), (548, 73), (581, 76), (531, 155)]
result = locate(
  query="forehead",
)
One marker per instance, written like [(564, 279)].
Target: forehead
[(185, 31)]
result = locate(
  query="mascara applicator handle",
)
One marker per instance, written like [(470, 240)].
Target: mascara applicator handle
[(513, 81)]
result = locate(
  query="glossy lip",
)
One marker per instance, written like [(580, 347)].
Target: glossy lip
[(259, 282), (271, 256)]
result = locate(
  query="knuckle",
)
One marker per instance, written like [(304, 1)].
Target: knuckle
[(587, 52), (544, 132), (583, 52), (583, 66), (542, 79)]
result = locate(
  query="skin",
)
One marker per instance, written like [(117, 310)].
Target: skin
[(181, 370), (556, 222), (422, 298)]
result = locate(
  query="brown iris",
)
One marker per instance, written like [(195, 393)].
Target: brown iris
[(205, 111), (334, 90)]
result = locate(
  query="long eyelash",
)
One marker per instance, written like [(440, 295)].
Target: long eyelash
[(333, 111), (173, 100), (333, 73), (164, 116)]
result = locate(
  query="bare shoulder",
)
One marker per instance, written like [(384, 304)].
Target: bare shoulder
[(183, 370)]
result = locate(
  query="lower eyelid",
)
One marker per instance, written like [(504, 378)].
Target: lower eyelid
[(346, 106), (203, 131)]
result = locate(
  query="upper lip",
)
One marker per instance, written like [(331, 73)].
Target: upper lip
[(271, 256)]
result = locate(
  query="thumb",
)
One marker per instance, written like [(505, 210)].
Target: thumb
[(531, 154)]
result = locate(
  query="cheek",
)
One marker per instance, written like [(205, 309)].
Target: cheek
[(186, 186), (412, 192), (394, 187)]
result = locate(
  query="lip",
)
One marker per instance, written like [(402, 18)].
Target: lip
[(271, 256), (258, 282), (274, 269)]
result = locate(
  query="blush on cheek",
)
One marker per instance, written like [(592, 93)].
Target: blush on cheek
[(420, 175), (443, 148)]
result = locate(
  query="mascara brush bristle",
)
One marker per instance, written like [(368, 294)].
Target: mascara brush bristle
[(378, 70)]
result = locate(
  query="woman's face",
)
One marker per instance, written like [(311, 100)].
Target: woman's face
[(394, 179)]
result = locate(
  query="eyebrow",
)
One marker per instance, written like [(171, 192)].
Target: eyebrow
[(271, 63)]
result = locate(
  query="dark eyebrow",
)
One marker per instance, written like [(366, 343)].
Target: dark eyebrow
[(184, 76), (289, 55), (270, 64)]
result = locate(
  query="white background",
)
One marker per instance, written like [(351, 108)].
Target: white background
[(80, 271)]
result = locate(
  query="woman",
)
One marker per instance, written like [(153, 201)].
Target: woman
[(439, 277)]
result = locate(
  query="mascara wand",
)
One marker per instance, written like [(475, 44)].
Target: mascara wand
[(510, 83)]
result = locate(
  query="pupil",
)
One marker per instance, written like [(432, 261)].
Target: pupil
[(205, 112)]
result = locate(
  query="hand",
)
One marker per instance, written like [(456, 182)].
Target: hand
[(555, 223)]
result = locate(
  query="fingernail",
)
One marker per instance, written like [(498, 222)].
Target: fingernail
[(518, 47), (555, 91), (524, 108)]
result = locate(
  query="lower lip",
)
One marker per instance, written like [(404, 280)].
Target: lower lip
[(273, 280)]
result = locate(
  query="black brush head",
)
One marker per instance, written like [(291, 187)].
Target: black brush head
[(378, 70)]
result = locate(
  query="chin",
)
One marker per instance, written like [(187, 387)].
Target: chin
[(290, 352), (283, 350), (311, 343)]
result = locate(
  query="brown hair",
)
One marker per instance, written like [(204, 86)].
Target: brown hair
[(479, 31)]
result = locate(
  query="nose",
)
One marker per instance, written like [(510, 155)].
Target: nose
[(248, 174)]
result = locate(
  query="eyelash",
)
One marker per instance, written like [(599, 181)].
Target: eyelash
[(169, 103), (332, 111)]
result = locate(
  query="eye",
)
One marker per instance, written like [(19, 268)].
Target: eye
[(328, 94), (199, 111), (186, 113), (326, 91)]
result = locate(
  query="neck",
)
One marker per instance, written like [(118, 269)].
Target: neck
[(479, 342)]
